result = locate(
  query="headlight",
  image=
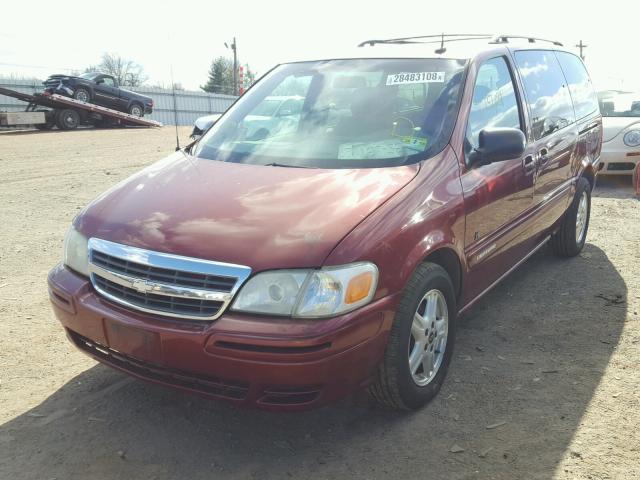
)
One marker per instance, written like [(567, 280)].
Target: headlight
[(76, 255), (632, 138), (309, 293)]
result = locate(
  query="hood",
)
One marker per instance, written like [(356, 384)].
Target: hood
[(613, 126), (263, 217), (58, 76)]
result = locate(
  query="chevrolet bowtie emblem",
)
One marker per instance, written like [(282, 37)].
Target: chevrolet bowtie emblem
[(142, 286)]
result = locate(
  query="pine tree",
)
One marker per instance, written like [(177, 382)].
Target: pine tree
[(220, 76)]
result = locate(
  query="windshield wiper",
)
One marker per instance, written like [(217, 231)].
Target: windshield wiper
[(275, 164)]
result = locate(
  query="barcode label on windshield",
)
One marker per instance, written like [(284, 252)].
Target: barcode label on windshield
[(415, 77)]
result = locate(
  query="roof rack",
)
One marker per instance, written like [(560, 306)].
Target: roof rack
[(455, 37), (505, 39), (443, 38)]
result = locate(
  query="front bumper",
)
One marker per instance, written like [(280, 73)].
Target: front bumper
[(268, 363), (619, 161)]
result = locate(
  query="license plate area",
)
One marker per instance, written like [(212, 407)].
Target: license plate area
[(134, 342)]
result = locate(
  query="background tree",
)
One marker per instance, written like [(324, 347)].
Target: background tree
[(221, 76), (127, 72)]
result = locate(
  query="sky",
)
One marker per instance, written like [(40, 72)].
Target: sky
[(185, 36)]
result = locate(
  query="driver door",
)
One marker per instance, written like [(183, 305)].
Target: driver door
[(107, 94), (497, 196)]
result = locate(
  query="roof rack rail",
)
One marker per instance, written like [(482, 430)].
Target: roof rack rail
[(505, 39), (442, 39)]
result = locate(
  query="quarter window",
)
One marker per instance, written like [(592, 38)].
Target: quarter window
[(583, 95), (494, 103), (546, 91)]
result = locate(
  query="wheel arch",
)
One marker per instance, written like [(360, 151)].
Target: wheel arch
[(589, 174), (135, 101), (448, 259)]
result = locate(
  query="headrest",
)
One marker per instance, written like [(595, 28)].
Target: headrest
[(373, 102)]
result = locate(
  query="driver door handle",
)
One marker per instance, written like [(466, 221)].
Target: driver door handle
[(529, 164)]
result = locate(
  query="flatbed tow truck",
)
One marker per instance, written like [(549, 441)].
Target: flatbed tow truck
[(66, 113)]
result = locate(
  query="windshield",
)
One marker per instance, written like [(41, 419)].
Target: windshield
[(341, 114), (267, 108), (89, 75), (619, 104)]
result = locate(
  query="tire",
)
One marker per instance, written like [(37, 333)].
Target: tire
[(136, 109), (67, 119), (82, 94), (395, 385), (570, 238)]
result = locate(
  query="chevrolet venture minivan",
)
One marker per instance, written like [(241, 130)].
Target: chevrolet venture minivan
[(285, 268)]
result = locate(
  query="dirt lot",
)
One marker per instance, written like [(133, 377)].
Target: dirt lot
[(553, 353)]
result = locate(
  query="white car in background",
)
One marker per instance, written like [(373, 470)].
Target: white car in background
[(621, 131), (202, 124), (274, 114)]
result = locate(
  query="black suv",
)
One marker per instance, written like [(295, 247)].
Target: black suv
[(101, 89)]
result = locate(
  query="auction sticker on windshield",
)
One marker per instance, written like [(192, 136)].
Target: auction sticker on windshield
[(415, 77)]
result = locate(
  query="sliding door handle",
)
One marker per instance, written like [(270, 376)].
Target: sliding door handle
[(543, 156)]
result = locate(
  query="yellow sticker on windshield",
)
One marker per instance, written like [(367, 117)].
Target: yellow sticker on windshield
[(418, 143), (415, 77)]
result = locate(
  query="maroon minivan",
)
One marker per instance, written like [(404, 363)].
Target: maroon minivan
[(285, 260)]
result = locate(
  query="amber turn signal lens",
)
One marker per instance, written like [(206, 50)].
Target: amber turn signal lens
[(358, 288)]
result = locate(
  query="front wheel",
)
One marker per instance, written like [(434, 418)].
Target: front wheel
[(420, 343), (82, 94), (570, 238)]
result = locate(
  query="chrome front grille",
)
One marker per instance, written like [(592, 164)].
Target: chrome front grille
[(161, 283), (159, 303), (163, 275)]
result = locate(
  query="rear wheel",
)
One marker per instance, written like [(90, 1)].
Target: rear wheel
[(82, 94), (136, 109), (421, 341), (67, 119), (570, 238)]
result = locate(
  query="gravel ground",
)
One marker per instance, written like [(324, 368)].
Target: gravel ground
[(544, 382)]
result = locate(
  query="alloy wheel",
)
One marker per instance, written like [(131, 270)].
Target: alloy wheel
[(581, 217), (428, 339)]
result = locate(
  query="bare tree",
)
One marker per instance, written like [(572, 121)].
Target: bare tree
[(127, 72)]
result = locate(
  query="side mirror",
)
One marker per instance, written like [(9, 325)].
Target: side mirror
[(498, 145)]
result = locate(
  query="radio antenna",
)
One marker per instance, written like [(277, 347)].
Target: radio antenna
[(175, 107)]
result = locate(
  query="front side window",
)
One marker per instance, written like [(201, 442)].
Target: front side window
[(583, 95), (341, 114), (494, 103), (108, 81), (546, 91)]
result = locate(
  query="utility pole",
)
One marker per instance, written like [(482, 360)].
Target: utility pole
[(581, 46), (235, 67)]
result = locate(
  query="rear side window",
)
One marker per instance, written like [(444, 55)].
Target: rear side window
[(546, 91), (585, 101), (494, 102)]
